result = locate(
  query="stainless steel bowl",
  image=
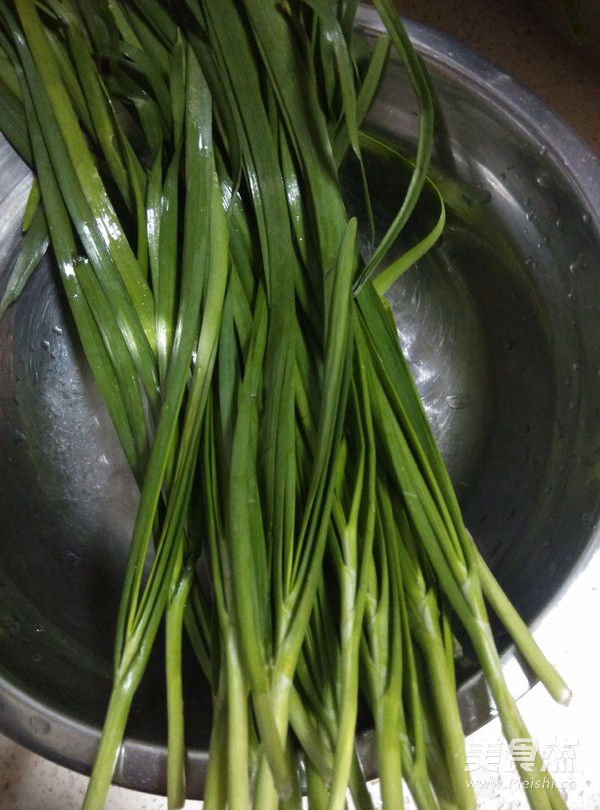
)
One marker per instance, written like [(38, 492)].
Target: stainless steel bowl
[(500, 325)]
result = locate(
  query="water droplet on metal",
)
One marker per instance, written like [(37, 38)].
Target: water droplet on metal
[(578, 264), (39, 725), (530, 263), (9, 626), (482, 194), (458, 401), (543, 179), (39, 628), (45, 344), (587, 218), (57, 330), (18, 437), (71, 558)]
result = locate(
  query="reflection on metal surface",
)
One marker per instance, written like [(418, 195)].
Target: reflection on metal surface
[(499, 324)]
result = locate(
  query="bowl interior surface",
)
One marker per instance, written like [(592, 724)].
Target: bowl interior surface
[(499, 324)]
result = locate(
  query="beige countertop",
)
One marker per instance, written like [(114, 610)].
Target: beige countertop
[(510, 34), (513, 36)]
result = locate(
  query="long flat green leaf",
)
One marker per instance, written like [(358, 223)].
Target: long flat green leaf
[(102, 216), (32, 251)]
